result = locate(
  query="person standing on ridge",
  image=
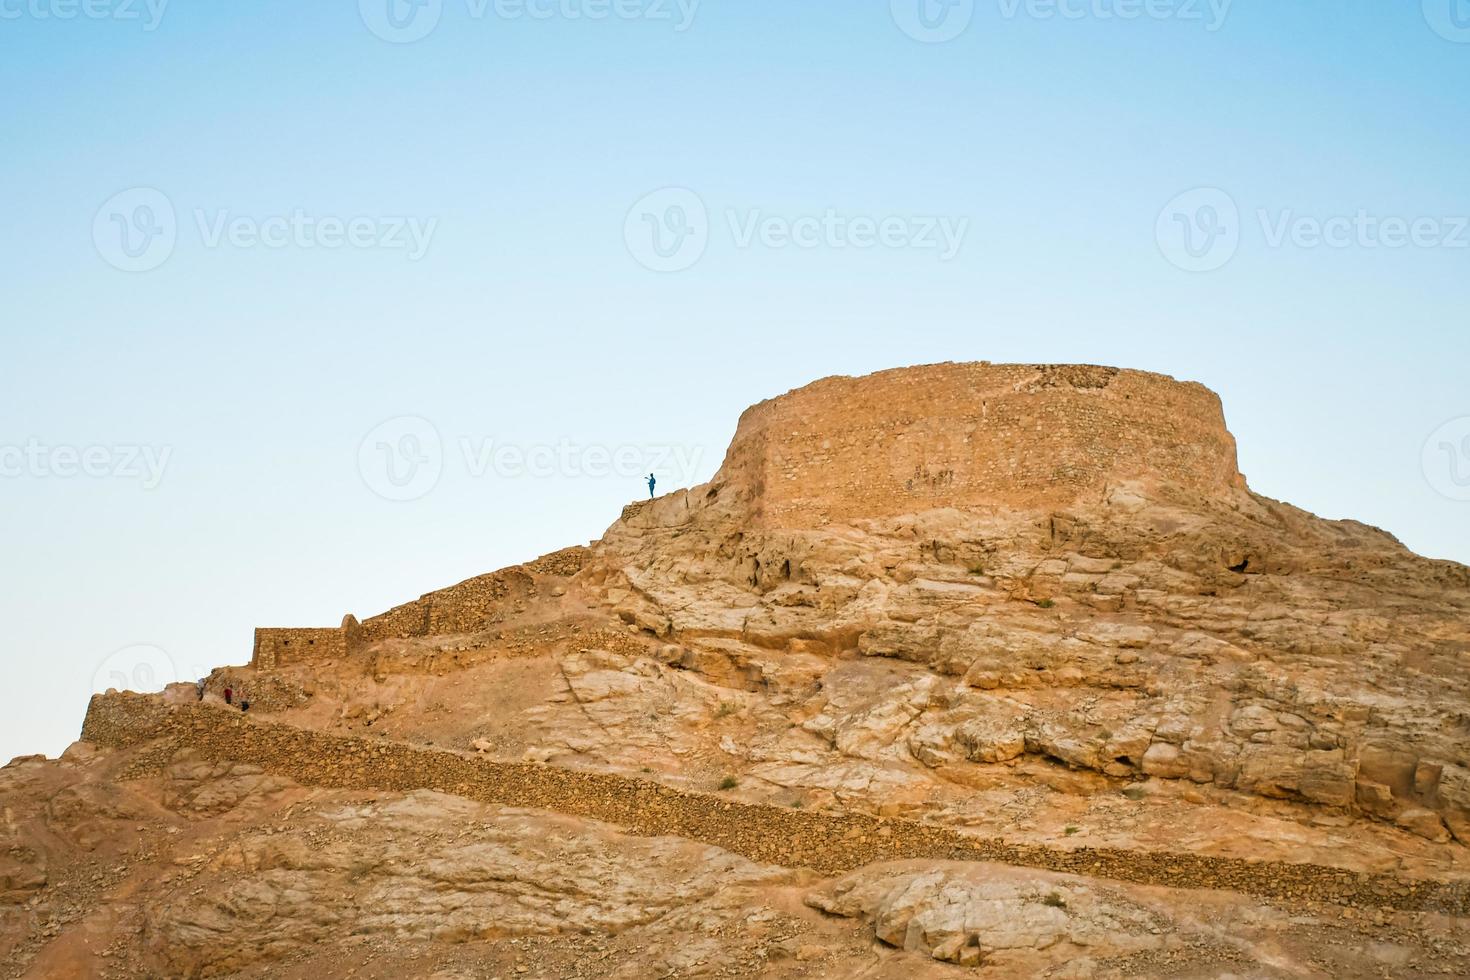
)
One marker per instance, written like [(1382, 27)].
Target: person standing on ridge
[(651, 482)]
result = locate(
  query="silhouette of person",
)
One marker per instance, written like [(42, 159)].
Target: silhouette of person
[(651, 482)]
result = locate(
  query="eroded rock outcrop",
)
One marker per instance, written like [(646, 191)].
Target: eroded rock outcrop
[(977, 915), (1091, 578)]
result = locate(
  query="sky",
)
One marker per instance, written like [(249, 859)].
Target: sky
[(309, 309)]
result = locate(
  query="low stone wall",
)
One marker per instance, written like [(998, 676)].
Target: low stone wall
[(409, 619), (282, 647), (468, 606), (824, 842), (566, 562), (463, 608)]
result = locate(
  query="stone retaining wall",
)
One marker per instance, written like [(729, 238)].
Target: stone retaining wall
[(281, 647), (825, 842), (463, 608)]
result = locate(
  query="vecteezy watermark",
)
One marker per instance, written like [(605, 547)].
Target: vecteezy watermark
[(485, 457), (937, 21), (1201, 230), (406, 21), (401, 459), (301, 230), (1363, 230), (148, 13), (1211, 13), (138, 229), (932, 21), (143, 668), (37, 460), (1446, 459), (401, 21), (669, 230), (834, 230), (1450, 19), (404, 458)]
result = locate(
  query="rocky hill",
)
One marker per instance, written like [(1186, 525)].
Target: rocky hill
[(995, 670)]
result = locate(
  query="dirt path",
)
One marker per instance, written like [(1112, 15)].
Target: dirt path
[(829, 843)]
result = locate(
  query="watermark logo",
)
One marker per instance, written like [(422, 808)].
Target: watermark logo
[(1450, 19), (406, 21), (835, 230), (673, 464), (1446, 459), (298, 229), (1363, 230), (142, 668), (401, 21), (404, 459), (136, 230), (1211, 13), (1199, 231), (401, 459), (668, 230), (933, 21), (147, 12), (39, 461), (680, 13)]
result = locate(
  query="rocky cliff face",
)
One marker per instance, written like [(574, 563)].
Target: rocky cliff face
[(956, 668), (1162, 622)]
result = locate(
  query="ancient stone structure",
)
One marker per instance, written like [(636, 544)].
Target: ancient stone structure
[(288, 646), (462, 608), (967, 435), (458, 609)]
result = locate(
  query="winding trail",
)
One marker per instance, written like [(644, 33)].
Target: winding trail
[(828, 843)]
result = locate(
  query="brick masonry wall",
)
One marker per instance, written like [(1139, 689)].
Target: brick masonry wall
[(957, 435), (463, 608), (409, 619), (283, 647), (830, 843)]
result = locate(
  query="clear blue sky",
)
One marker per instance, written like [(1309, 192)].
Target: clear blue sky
[(518, 146)]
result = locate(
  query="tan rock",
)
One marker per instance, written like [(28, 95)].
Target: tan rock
[(988, 597), (1425, 823)]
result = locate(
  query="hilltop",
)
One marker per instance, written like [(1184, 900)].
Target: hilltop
[(963, 669)]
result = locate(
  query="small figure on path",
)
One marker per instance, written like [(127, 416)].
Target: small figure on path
[(229, 693), (199, 686), (651, 482)]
